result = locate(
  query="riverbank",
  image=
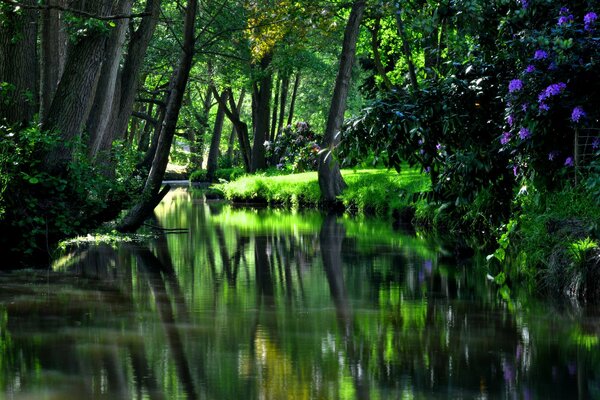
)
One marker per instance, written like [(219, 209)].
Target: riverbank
[(370, 191)]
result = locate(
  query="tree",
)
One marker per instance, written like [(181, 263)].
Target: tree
[(330, 178), (152, 194)]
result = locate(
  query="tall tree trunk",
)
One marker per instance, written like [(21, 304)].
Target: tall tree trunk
[(197, 147), (278, 83), (129, 77), (377, 55), (406, 49), (261, 124), (144, 141), (330, 179), (285, 83), (233, 128), (293, 101), (108, 85), (18, 61), (71, 105), (215, 142), (241, 127), (152, 194), (53, 46)]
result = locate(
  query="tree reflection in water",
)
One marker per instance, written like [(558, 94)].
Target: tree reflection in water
[(267, 304)]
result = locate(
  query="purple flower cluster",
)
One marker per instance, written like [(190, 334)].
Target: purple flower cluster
[(577, 114), (544, 107), (515, 85), (596, 143), (530, 68), (552, 155), (524, 3), (524, 133), (510, 119), (589, 20), (552, 90), (540, 55), (565, 17), (505, 138)]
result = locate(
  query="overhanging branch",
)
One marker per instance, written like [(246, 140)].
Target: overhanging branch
[(73, 11)]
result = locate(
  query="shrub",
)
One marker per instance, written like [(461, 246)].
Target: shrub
[(295, 149)]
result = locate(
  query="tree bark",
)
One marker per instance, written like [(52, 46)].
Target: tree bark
[(240, 127), (140, 211), (278, 83), (53, 46), (129, 77), (233, 128), (71, 105), (18, 61), (197, 147), (331, 182), (285, 83), (293, 100), (215, 142), (377, 55), (261, 124), (406, 50), (108, 86)]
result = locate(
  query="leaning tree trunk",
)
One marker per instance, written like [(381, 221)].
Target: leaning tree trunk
[(18, 61), (215, 142), (152, 194), (278, 83), (71, 105), (330, 179)]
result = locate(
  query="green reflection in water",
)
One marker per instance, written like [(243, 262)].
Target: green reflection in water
[(268, 304)]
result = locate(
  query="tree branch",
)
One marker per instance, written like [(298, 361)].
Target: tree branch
[(73, 11)]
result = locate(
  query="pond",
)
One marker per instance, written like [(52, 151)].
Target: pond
[(267, 304)]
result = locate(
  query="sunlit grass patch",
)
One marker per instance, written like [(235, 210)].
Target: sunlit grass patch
[(373, 191)]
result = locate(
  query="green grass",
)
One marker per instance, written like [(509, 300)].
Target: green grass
[(372, 191)]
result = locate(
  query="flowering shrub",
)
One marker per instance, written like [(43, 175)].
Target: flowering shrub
[(556, 94), (295, 149)]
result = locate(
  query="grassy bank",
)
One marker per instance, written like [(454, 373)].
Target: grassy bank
[(370, 191)]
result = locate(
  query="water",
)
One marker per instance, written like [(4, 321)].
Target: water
[(259, 304)]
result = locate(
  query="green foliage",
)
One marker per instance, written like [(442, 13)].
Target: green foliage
[(43, 207), (580, 250), (555, 94), (222, 174)]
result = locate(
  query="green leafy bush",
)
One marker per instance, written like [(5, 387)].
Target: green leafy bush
[(295, 149)]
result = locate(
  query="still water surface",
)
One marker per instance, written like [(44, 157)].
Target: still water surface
[(263, 304)]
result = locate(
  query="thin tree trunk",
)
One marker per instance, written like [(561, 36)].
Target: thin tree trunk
[(197, 148), (53, 46), (377, 55), (285, 83), (18, 61), (151, 193), (278, 83), (406, 50), (144, 141), (240, 127), (233, 128), (330, 179), (215, 142), (261, 125), (293, 101)]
